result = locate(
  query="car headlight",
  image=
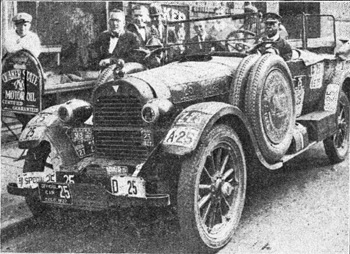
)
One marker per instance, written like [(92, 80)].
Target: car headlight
[(154, 109), (74, 111)]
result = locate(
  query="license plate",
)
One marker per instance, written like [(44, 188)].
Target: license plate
[(129, 186), (31, 179), (32, 133), (57, 193), (181, 136)]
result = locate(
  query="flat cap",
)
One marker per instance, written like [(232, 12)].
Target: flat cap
[(22, 17), (272, 17)]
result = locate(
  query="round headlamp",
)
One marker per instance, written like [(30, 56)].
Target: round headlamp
[(150, 113), (156, 108)]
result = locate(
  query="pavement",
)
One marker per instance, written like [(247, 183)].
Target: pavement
[(13, 208)]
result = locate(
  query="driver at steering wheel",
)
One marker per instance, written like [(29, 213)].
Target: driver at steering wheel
[(272, 34)]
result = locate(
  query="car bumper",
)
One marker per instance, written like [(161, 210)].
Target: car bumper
[(95, 198)]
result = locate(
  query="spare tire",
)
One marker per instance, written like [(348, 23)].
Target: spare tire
[(239, 85), (269, 104)]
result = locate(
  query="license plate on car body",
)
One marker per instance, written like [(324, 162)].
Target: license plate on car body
[(181, 136), (31, 179), (129, 186), (57, 193)]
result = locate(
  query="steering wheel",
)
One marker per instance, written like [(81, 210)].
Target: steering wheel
[(235, 43), (259, 45)]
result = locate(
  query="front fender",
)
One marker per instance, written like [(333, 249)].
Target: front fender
[(46, 126), (196, 120), (188, 127)]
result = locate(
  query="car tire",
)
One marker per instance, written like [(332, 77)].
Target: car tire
[(269, 104), (239, 86), (37, 160), (337, 146), (201, 198)]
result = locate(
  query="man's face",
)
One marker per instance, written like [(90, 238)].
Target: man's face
[(140, 17), (117, 22), (156, 20), (271, 28), (199, 27), (23, 28)]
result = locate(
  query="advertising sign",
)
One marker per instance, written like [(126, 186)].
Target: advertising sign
[(21, 83)]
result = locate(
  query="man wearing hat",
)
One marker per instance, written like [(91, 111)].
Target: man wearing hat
[(279, 46), (157, 26), (116, 42), (140, 16), (22, 37)]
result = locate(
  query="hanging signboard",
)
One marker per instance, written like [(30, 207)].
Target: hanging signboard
[(21, 83)]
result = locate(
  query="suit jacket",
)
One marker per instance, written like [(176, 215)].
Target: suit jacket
[(126, 43), (283, 47), (204, 47), (133, 28), (172, 38)]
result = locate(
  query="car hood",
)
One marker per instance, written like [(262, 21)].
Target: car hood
[(185, 81)]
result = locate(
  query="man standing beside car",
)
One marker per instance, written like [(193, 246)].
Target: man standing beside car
[(272, 34), (116, 43), (22, 37)]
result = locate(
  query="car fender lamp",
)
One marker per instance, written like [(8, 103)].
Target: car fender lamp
[(74, 111), (153, 109)]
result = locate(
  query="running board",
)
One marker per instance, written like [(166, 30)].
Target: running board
[(291, 156)]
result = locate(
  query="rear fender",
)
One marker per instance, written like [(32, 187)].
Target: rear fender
[(46, 126)]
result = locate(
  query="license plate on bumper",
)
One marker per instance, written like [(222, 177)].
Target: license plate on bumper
[(128, 186), (57, 193)]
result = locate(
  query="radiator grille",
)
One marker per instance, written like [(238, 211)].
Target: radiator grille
[(117, 128), (118, 111)]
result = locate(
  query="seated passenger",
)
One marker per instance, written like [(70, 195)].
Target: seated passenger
[(202, 42), (116, 43), (272, 34), (22, 37), (140, 16)]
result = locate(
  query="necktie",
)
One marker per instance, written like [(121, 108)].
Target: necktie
[(114, 35)]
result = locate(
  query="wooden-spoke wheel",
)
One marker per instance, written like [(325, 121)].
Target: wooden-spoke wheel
[(212, 190)]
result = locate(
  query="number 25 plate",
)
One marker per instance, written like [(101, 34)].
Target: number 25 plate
[(55, 193), (128, 186), (181, 136)]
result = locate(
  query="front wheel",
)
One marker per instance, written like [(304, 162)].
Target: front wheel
[(211, 191), (337, 146)]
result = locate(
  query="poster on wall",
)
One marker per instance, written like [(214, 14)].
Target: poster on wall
[(21, 84)]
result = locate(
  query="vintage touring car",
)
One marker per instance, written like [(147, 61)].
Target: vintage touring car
[(184, 135)]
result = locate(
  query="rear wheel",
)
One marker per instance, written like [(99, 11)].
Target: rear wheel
[(211, 191), (337, 146), (40, 159)]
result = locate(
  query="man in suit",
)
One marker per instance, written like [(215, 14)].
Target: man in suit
[(157, 26), (272, 32), (202, 42), (140, 16), (116, 43)]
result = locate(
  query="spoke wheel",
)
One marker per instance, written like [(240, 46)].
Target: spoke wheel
[(337, 146), (211, 190)]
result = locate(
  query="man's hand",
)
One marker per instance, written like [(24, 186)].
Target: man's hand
[(105, 62)]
